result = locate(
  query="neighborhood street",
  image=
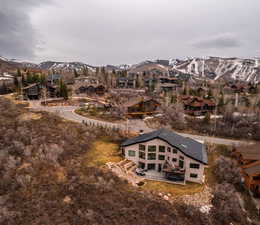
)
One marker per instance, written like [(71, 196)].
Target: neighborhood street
[(68, 113)]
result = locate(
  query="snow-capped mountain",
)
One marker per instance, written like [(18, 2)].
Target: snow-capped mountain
[(70, 66), (226, 68), (206, 67)]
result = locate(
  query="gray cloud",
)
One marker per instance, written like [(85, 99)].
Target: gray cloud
[(17, 36), (220, 41), (127, 31)]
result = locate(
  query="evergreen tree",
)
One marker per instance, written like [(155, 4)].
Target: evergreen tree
[(75, 73), (16, 82), (206, 119), (137, 82), (23, 81), (35, 78), (29, 78), (185, 90), (63, 90), (103, 70), (97, 70), (42, 79), (19, 74)]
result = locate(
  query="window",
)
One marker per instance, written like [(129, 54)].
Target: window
[(141, 155), (151, 156), (168, 149), (174, 151), (141, 165), (161, 148), (131, 153), (151, 166), (181, 157), (161, 157), (181, 163), (168, 158), (142, 147), (151, 148), (195, 165), (193, 175), (174, 159)]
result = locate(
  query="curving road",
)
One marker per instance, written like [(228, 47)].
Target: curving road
[(68, 113)]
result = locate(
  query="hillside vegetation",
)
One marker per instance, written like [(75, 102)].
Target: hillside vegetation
[(44, 180)]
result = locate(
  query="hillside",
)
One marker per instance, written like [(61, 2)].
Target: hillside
[(68, 66), (226, 68), (44, 180), (6, 65)]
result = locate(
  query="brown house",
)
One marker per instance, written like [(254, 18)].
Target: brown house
[(249, 160), (141, 106), (32, 91), (92, 89), (196, 106)]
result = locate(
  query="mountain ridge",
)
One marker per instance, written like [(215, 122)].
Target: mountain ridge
[(212, 67)]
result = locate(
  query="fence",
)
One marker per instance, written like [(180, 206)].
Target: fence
[(107, 126)]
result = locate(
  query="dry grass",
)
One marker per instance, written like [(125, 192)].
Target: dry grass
[(101, 152), (173, 189), (98, 115), (30, 116)]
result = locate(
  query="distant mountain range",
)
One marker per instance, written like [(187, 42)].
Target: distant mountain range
[(211, 67)]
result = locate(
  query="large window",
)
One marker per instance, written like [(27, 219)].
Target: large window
[(161, 157), (131, 153), (142, 155), (151, 156), (151, 166), (152, 148), (142, 147), (193, 175), (195, 165), (161, 148)]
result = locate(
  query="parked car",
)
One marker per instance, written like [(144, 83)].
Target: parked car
[(140, 172)]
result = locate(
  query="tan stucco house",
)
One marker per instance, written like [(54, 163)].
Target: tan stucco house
[(174, 156)]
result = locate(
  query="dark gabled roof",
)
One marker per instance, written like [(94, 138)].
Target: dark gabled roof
[(187, 146)]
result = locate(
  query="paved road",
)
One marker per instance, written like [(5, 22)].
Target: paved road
[(67, 112)]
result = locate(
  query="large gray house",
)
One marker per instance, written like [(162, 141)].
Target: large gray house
[(172, 155)]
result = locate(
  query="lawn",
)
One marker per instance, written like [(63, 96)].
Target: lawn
[(173, 189), (191, 188), (101, 152)]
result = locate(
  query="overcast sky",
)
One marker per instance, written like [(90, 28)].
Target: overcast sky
[(102, 32)]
